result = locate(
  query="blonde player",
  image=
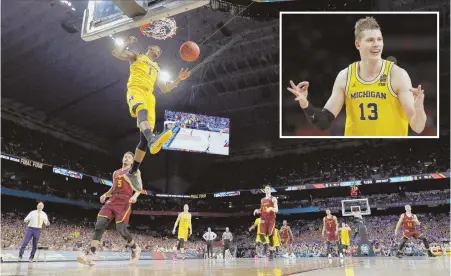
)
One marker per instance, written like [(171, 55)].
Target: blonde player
[(144, 73), (378, 94), (344, 238), (184, 223), (258, 240)]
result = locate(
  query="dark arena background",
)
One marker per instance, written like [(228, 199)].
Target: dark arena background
[(65, 126)]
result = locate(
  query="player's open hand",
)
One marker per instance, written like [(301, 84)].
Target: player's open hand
[(256, 211), (173, 232), (300, 91), (184, 74), (418, 95), (269, 209)]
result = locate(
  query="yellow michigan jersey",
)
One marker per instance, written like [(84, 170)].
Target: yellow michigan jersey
[(140, 86), (257, 224), (344, 237), (184, 224), (143, 73), (373, 107)]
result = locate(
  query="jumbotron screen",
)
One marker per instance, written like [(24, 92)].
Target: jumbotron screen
[(197, 133)]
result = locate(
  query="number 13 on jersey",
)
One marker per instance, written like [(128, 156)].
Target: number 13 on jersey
[(368, 111)]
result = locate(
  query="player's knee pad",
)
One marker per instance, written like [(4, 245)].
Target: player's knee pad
[(100, 228), (142, 142), (142, 114), (425, 241)]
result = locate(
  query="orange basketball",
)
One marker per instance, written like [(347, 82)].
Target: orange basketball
[(189, 51)]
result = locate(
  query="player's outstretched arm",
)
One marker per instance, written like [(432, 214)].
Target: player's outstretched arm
[(168, 87), (122, 54), (322, 119), (411, 99)]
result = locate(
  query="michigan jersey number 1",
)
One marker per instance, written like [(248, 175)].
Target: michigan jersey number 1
[(372, 108)]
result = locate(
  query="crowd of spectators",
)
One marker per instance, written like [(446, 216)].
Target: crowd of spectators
[(324, 166), (196, 121), (45, 148), (67, 235)]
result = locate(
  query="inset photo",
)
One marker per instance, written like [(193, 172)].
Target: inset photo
[(359, 74)]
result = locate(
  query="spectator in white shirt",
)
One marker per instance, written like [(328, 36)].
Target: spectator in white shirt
[(209, 237), (34, 219)]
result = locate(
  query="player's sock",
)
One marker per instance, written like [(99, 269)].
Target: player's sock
[(135, 167)]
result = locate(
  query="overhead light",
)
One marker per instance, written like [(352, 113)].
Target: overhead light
[(164, 76), (118, 41)]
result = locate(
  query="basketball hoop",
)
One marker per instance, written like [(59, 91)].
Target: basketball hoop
[(159, 29)]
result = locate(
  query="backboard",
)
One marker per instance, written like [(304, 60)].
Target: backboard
[(348, 206), (104, 17)]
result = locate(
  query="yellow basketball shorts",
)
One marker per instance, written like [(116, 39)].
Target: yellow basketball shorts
[(183, 234), (259, 240), (141, 98)]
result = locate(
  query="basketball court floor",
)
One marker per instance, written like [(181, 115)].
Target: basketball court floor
[(411, 266)]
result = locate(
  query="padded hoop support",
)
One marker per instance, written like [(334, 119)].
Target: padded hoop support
[(130, 8)]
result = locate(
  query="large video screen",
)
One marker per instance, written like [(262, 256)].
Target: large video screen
[(197, 133)]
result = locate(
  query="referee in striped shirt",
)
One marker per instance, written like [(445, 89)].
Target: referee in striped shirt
[(227, 238)]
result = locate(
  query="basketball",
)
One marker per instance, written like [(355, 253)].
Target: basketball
[(189, 51)]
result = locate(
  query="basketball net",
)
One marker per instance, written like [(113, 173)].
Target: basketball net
[(159, 29)]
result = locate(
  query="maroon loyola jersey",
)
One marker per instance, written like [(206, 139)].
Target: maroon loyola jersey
[(408, 224), (266, 203), (122, 189), (331, 226)]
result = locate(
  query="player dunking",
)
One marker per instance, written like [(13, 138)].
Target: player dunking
[(118, 207), (408, 222), (184, 223), (286, 237), (144, 72), (267, 211), (330, 231), (378, 94), (258, 240)]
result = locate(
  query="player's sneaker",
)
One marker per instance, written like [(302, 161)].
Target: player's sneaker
[(430, 254), (293, 256), (329, 256), (271, 255), (341, 255), (87, 259), (399, 255), (136, 253), (157, 141), (174, 257), (134, 179)]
